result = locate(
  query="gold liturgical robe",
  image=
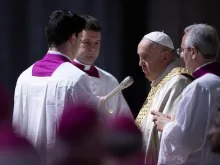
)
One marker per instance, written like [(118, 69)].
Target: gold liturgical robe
[(164, 97)]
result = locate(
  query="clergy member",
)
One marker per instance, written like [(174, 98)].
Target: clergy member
[(50, 84), (102, 82), (16, 150), (168, 79), (185, 140), (123, 142), (78, 137)]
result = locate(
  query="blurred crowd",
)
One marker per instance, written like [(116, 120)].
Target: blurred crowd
[(82, 139)]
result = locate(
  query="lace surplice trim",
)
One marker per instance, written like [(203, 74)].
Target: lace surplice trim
[(146, 106), (165, 157)]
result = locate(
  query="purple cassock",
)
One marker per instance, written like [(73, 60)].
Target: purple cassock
[(92, 71), (78, 137), (46, 66), (213, 68), (77, 122)]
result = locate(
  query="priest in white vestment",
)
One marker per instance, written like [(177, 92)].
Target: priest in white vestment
[(168, 80), (102, 82), (52, 83), (185, 140)]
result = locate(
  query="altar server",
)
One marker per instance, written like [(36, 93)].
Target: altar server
[(52, 83), (101, 82)]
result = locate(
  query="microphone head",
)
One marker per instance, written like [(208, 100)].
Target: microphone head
[(128, 81)]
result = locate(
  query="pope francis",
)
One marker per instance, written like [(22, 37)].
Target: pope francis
[(168, 79)]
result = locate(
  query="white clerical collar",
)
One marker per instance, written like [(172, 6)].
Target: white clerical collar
[(169, 68), (58, 53), (203, 65), (87, 67)]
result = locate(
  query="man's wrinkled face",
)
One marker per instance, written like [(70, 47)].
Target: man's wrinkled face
[(89, 47), (150, 59)]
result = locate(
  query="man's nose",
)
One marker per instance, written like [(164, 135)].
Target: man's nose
[(140, 62), (92, 49)]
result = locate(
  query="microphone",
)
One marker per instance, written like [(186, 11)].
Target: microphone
[(128, 81)]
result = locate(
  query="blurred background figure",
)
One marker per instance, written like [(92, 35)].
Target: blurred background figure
[(78, 141), (14, 150), (123, 142)]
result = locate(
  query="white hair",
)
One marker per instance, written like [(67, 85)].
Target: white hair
[(203, 37)]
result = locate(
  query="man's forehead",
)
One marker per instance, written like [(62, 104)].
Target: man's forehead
[(146, 45), (91, 33), (183, 39)]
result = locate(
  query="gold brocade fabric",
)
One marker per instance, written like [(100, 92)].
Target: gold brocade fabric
[(146, 106)]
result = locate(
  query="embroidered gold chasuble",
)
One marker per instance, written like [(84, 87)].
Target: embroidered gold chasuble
[(163, 97)]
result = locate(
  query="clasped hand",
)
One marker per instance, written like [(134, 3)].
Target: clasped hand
[(160, 120)]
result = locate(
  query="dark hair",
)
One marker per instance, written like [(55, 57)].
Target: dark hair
[(92, 23), (61, 25)]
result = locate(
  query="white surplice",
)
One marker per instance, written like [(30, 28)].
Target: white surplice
[(40, 100), (185, 140), (165, 100), (102, 86)]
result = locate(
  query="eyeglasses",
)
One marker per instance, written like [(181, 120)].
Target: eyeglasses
[(179, 51)]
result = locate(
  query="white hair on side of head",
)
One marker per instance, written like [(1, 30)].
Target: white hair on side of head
[(205, 38)]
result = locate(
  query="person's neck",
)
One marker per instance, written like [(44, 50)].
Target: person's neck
[(203, 63), (64, 50), (166, 70)]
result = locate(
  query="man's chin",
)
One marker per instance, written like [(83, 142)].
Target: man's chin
[(91, 61), (148, 77)]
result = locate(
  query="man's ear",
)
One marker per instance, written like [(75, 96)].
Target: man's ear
[(72, 38), (166, 56), (194, 53)]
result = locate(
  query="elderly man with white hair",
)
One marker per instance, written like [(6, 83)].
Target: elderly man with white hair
[(185, 140), (168, 79)]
